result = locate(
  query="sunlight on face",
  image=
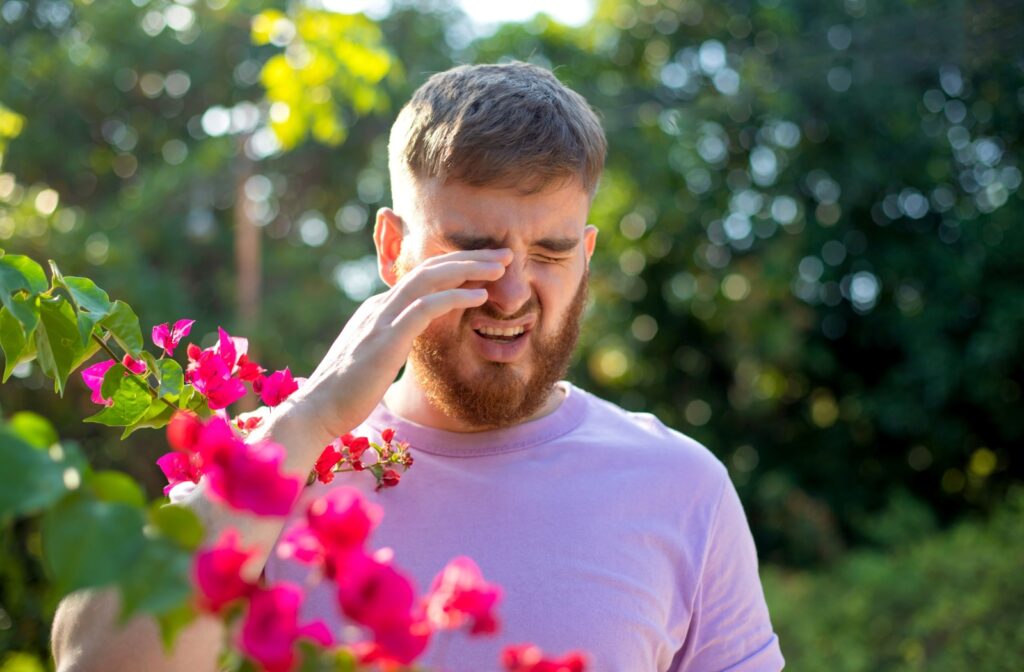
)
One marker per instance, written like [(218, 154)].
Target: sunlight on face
[(489, 381)]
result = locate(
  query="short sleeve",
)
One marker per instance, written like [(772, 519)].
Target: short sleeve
[(730, 630)]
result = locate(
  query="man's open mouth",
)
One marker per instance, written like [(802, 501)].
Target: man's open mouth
[(501, 335)]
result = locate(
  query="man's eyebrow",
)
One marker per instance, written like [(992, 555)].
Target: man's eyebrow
[(473, 241), (557, 244)]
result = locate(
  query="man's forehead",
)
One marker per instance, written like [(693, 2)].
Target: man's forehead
[(468, 217)]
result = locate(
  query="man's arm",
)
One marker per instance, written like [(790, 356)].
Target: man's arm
[(86, 638), (730, 630), (342, 392), (86, 635)]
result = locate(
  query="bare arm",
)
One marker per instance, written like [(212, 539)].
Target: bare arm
[(86, 636), (345, 387)]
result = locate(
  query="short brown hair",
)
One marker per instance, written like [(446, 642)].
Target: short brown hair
[(512, 125)]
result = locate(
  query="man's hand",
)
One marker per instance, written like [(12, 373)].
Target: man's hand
[(368, 354)]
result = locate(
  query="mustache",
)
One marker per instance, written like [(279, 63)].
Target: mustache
[(490, 311)]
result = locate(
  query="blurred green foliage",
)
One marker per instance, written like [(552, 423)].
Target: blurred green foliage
[(810, 241), (949, 603)]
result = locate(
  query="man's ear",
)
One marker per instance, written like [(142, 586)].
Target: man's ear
[(387, 238), (589, 240)]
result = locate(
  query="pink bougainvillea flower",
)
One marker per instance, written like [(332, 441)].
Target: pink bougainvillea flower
[(325, 464), (229, 348), (212, 378), (395, 647), (342, 520), (179, 467), (248, 370), (245, 476), (136, 366), (167, 338), (248, 424), (300, 544), (357, 445), (373, 593), (183, 431), (217, 572), (93, 378), (271, 628), (459, 594), (529, 658), (276, 387), (389, 479)]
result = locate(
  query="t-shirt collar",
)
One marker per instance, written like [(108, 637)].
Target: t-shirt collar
[(561, 421)]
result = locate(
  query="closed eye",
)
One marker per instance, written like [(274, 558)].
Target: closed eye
[(549, 260)]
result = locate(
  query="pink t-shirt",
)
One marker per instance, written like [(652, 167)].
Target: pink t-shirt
[(608, 532)]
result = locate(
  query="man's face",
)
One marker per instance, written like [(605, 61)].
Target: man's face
[(495, 365)]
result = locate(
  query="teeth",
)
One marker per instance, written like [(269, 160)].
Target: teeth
[(488, 331)]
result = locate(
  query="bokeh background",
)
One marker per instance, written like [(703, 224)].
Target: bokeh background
[(810, 255)]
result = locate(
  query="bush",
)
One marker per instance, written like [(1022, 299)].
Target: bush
[(949, 602)]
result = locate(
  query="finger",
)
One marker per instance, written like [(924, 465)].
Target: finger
[(500, 254), (418, 315), (425, 280)]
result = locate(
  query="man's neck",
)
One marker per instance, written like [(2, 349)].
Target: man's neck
[(408, 400)]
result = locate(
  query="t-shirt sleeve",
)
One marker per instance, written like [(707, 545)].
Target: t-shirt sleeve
[(730, 630)]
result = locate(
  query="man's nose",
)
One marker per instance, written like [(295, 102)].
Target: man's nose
[(512, 290)]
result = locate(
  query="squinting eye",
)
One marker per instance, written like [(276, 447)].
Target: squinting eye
[(549, 260)]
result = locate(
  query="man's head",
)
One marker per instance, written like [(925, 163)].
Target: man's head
[(495, 156)]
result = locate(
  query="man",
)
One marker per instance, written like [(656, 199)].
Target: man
[(608, 531)]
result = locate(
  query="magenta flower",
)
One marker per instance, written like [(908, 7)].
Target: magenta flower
[(246, 477), (459, 594), (373, 593), (179, 467), (168, 337), (271, 628), (136, 366), (229, 348), (529, 658), (325, 464), (342, 520), (299, 543), (217, 572), (93, 377), (211, 376), (276, 387)]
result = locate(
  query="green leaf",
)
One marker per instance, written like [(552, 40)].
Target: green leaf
[(92, 302), (18, 661), (178, 523), (87, 295), (131, 400), (31, 273), (87, 542), (26, 310), (34, 428), (123, 324), (158, 415), (171, 378), (31, 479), (112, 380), (158, 581), (18, 346), (57, 344), (114, 486), (19, 273)]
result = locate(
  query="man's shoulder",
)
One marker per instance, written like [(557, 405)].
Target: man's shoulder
[(644, 436)]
